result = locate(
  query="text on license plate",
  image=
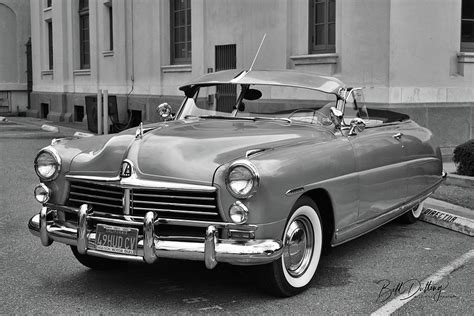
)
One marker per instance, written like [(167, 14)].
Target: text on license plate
[(116, 239)]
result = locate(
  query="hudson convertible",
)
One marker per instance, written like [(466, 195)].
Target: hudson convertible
[(255, 168)]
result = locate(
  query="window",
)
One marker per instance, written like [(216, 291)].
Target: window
[(108, 24), (49, 25), (467, 26), (180, 31), (84, 48), (48, 3), (322, 26)]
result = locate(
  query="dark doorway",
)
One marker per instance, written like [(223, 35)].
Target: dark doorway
[(226, 94), (78, 113), (44, 110)]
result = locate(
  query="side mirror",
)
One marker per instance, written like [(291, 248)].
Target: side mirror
[(336, 117), (357, 124), (164, 111)]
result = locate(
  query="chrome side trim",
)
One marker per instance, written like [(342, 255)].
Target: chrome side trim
[(294, 191), (376, 222)]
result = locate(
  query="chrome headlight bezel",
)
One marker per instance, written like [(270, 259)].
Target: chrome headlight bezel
[(57, 164), (44, 191), (255, 178)]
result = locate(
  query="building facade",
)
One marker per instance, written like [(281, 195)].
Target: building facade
[(14, 39), (416, 57)]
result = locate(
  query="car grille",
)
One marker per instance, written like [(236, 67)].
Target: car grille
[(175, 204)]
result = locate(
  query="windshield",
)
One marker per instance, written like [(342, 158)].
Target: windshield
[(264, 102)]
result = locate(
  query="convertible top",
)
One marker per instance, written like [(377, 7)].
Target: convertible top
[(289, 78)]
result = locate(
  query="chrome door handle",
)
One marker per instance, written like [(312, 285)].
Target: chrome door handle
[(398, 136)]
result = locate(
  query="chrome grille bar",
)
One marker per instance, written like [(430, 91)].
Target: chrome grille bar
[(174, 211), (94, 203), (174, 197), (185, 204), (119, 199), (135, 202)]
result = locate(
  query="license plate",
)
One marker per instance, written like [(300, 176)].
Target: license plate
[(117, 239)]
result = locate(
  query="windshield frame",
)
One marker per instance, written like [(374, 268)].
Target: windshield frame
[(338, 100)]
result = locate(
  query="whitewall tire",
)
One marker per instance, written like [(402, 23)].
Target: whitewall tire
[(302, 241), (412, 215)]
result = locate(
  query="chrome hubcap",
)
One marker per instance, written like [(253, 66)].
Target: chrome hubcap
[(298, 246)]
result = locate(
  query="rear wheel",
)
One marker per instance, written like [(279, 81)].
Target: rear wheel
[(97, 263), (412, 215), (302, 242)]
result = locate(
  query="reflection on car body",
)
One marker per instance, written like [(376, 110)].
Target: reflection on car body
[(266, 176)]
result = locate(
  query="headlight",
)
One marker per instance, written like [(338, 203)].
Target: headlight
[(238, 213), (47, 164), (242, 179), (42, 193)]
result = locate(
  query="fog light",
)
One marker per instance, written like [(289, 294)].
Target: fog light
[(42, 193), (238, 213)]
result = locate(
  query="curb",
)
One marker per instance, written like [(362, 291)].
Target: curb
[(83, 134), (449, 216), (461, 181), (49, 128)]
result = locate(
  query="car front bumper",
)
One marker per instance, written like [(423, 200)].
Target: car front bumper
[(150, 247)]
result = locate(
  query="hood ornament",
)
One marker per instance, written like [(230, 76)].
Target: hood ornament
[(139, 132)]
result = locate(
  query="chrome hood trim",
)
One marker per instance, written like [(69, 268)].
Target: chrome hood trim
[(142, 183)]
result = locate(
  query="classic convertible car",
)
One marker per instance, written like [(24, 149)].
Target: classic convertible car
[(255, 168)]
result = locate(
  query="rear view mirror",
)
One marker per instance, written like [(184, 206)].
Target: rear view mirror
[(252, 94), (357, 125)]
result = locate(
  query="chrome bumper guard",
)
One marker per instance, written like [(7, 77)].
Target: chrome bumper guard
[(150, 247)]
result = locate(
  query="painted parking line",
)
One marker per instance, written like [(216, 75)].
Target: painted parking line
[(429, 283)]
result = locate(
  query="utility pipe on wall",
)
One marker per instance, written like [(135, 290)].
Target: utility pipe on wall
[(99, 112), (106, 112)]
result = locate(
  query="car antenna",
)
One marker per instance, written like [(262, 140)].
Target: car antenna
[(258, 51)]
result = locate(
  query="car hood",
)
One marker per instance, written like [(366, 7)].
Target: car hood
[(191, 151)]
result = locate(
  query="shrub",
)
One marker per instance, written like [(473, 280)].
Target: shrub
[(463, 157)]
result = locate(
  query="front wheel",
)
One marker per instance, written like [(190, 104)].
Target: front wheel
[(302, 244), (412, 215), (97, 263)]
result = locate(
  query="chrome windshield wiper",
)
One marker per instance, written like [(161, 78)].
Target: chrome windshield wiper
[(273, 119), (228, 118)]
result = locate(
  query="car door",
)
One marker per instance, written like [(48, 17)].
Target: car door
[(422, 158), (381, 170)]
